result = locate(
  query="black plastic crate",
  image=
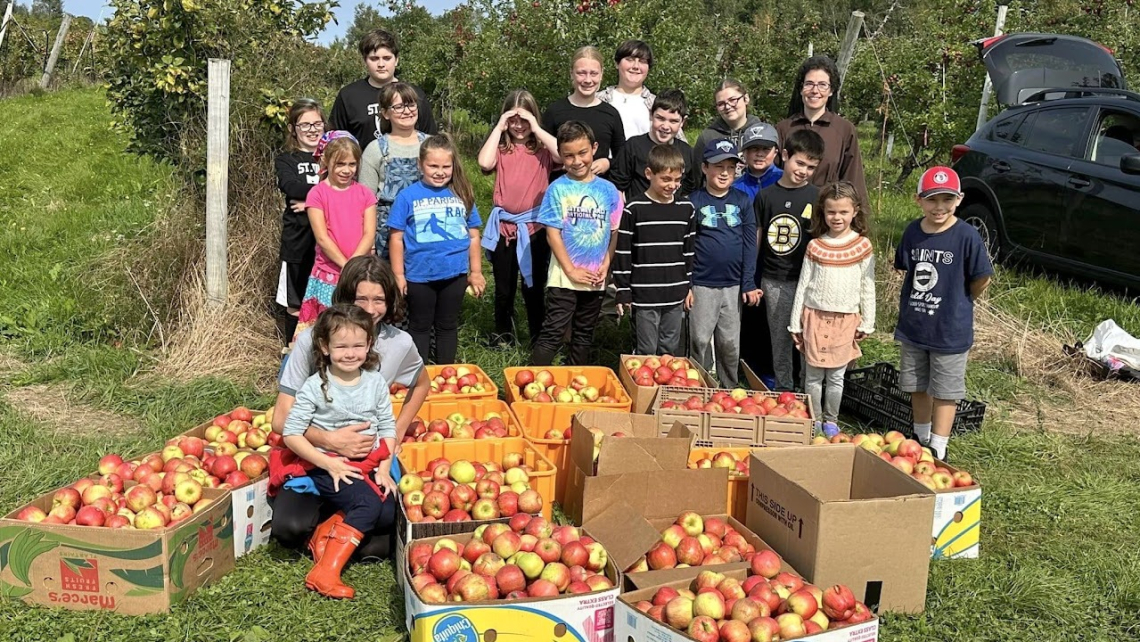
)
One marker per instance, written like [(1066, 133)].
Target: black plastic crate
[(872, 394)]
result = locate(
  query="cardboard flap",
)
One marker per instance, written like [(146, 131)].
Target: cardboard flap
[(754, 381), (625, 535), (641, 451), (825, 473)]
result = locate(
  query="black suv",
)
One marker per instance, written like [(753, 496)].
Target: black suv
[(1055, 178)]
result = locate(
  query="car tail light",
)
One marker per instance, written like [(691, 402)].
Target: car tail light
[(957, 152)]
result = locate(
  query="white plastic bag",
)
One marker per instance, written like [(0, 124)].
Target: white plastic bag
[(1115, 348)]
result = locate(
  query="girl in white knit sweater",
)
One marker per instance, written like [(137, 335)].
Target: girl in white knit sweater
[(834, 308)]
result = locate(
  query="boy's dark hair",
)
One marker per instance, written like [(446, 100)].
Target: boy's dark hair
[(378, 39), (671, 100), (665, 157), (806, 142), (635, 49), (370, 269), (573, 130), (796, 105), (834, 192), (331, 320)]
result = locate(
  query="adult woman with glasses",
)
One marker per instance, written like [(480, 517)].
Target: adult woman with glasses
[(391, 162), (297, 172), (732, 118), (813, 106)]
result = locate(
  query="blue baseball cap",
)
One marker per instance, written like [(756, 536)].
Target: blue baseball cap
[(722, 149)]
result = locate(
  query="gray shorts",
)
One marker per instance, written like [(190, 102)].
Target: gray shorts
[(942, 376)]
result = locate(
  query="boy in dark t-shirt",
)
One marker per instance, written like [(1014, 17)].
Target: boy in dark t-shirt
[(357, 106), (666, 119), (947, 269), (783, 214)]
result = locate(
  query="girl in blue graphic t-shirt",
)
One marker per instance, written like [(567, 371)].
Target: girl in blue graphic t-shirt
[(434, 244)]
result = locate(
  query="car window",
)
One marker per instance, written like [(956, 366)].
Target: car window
[(1116, 134), (1005, 129), (1058, 131)]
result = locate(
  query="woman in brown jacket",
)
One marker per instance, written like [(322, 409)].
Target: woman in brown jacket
[(813, 107)]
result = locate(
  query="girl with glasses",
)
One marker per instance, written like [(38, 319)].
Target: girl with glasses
[(389, 163), (297, 172), (732, 118)]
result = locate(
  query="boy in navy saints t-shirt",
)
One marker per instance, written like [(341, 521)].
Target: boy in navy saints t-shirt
[(947, 269)]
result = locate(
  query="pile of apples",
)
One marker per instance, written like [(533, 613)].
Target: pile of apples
[(162, 500), (540, 387), (463, 490), (742, 402), (736, 467), (240, 428), (907, 455), (695, 541), (529, 557), (453, 380), (665, 370), (398, 392), (768, 605), (457, 426)]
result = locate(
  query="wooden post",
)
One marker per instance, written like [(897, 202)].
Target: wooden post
[(891, 145), (217, 179), (4, 23), (811, 49), (82, 50), (847, 50), (983, 109), (54, 57)]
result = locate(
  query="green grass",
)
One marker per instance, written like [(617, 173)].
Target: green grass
[(1058, 527)]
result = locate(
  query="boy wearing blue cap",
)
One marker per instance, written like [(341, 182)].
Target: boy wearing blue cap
[(724, 264), (759, 149)]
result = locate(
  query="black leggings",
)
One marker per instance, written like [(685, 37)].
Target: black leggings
[(505, 265), (296, 516), (436, 304)]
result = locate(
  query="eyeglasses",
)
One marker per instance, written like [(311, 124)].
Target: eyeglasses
[(729, 103), (310, 127), (822, 86), (403, 108)]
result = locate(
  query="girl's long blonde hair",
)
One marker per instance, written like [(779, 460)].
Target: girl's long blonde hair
[(459, 183), (519, 99)]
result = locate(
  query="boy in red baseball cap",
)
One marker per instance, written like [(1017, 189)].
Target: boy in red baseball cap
[(947, 269)]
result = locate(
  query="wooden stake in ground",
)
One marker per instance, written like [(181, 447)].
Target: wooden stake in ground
[(54, 57), (217, 179), (983, 109), (847, 50), (4, 22)]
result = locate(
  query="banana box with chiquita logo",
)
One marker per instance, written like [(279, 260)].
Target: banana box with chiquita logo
[(583, 611), (957, 518)]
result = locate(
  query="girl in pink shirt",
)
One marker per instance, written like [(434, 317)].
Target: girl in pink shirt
[(521, 155), (342, 213)]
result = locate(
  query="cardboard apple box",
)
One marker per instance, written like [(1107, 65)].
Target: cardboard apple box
[(957, 520), (133, 572), (644, 396), (652, 578), (252, 514), (585, 616), (639, 464), (818, 507), (631, 625)]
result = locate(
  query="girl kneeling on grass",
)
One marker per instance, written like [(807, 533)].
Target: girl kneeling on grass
[(834, 308), (434, 242), (345, 391), (342, 214)]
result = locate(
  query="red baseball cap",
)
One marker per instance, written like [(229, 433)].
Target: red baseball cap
[(939, 180)]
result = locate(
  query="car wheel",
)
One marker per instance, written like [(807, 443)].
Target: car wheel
[(981, 219)]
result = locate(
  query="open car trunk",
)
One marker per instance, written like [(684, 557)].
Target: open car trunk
[(1023, 64)]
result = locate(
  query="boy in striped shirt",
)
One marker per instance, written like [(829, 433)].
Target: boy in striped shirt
[(653, 263)]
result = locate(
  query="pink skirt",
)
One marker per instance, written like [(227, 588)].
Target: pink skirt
[(829, 338)]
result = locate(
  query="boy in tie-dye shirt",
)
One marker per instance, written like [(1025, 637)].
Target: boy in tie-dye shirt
[(582, 213)]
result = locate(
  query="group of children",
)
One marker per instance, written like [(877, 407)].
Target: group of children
[(710, 234)]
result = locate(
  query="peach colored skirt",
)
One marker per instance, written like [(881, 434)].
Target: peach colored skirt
[(829, 338)]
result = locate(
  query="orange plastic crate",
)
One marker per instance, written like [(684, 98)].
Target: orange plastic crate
[(440, 408), (492, 391), (536, 419), (601, 378), (414, 457), (737, 485)]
